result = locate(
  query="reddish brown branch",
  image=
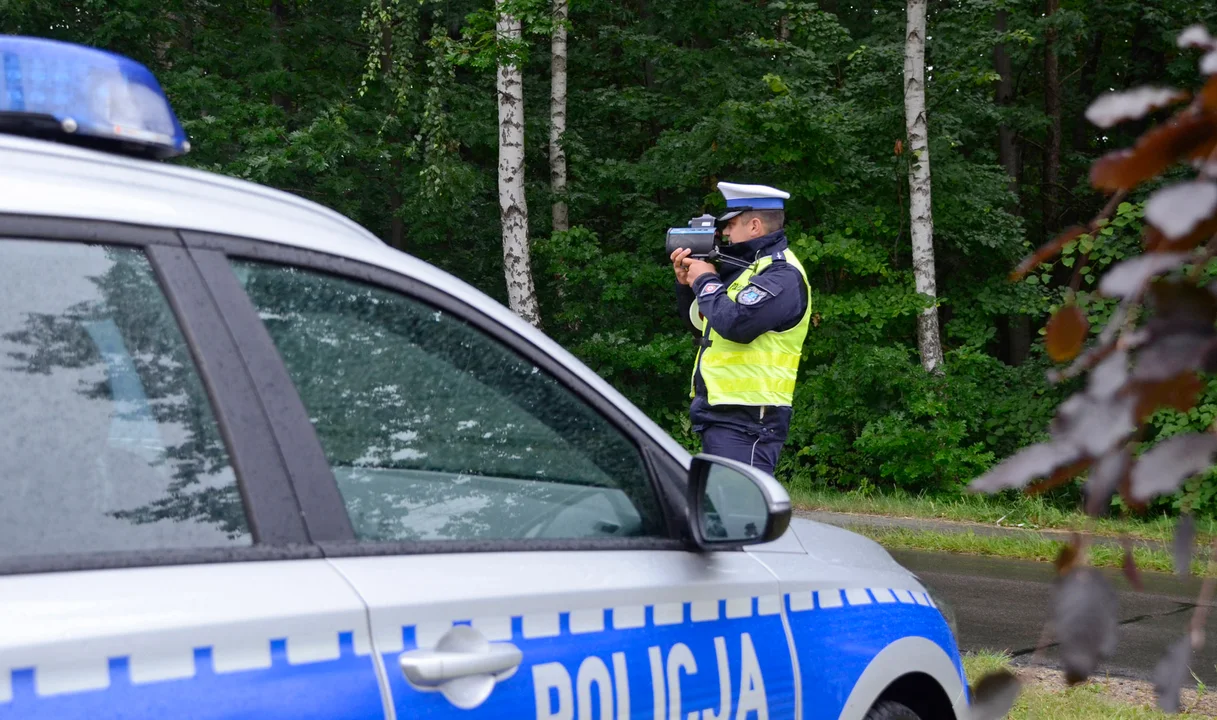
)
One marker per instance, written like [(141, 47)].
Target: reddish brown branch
[(1051, 248)]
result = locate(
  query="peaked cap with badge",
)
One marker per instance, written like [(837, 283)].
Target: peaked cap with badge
[(743, 198)]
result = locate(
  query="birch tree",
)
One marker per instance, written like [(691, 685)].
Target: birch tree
[(557, 116), (920, 217), (513, 207)]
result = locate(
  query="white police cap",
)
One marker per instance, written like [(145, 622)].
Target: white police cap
[(742, 198)]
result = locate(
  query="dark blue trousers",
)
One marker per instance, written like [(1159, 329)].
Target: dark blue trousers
[(759, 447)]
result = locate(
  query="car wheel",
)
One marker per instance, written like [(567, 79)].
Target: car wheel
[(890, 710)]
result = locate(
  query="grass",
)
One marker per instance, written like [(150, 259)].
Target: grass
[(1031, 547), (1084, 702), (1024, 511)]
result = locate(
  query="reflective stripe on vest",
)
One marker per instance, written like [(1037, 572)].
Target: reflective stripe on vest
[(761, 372)]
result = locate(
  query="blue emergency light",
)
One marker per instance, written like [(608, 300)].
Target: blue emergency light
[(84, 96)]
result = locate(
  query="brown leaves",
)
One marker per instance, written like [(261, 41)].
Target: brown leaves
[(1060, 476), (1084, 619), (1195, 36), (1068, 556), (1181, 307), (1168, 347), (1208, 96), (1066, 333), (1158, 149), (1105, 480), (994, 694), (1033, 461), (1171, 356), (1170, 674), (1086, 427), (1109, 375), (1184, 215), (1162, 469), (1128, 278), (1179, 392), (1198, 236), (1115, 107), (1179, 209), (1179, 340), (899, 149), (1095, 425)]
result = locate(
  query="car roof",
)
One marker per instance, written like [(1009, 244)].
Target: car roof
[(50, 179)]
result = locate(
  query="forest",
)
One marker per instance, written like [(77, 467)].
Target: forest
[(389, 112)]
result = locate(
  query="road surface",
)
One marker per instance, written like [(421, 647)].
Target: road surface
[(1002, 605)]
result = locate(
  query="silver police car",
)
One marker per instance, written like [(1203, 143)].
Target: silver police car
[(258, 464)]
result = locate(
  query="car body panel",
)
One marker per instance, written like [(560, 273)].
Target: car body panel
[(193, 641), (670, 631), (814, 602), (852, 625)]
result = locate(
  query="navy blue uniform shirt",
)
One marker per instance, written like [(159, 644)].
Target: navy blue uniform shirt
[(775, 299)]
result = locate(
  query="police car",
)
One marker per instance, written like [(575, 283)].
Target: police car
[(258, 464)]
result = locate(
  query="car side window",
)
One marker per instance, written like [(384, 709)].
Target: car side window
[(107, 438), (437, 431)]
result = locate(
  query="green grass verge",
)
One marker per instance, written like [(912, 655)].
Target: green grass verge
[(1084, 702), (1031, 547), (1025, 511)]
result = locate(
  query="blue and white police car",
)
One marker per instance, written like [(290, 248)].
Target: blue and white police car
[(257, 464)]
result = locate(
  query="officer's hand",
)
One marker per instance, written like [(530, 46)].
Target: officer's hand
[(696, 268), (678, 264)]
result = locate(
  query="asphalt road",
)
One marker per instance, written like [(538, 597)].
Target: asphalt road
[(1003, 605)]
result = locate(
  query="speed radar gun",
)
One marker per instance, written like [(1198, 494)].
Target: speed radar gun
[(702, 238)]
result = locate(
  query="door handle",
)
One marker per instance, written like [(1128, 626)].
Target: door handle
[(431, 668), (464, 666)]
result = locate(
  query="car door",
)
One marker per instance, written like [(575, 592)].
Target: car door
[(507, 531), (152, 560)]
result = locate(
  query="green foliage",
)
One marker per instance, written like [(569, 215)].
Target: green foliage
[(385, 111), (1199, 494), (1084, 261), (872, 415)]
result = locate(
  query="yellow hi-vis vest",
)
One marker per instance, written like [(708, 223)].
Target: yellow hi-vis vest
[(761, 372)]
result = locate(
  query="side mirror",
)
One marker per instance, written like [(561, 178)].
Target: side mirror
[(733, 504)]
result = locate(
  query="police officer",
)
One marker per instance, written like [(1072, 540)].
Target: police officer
[(751, 322)]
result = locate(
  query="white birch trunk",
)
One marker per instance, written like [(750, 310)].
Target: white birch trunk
[(513, 208), (557, 116), (921, 220)]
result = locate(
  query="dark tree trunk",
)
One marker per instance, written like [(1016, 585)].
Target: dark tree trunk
[(1083, 131), (1007, 152), (1018, 327), (278, 20), (1020, 340), (1050, 183), (648, 65), (397, 229)]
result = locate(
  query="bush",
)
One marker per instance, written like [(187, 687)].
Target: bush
[(873, 418)]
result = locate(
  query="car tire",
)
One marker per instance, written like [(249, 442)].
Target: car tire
[(891, 710)]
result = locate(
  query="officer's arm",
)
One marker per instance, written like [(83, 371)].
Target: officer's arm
[(775, 298), (684, 300)]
